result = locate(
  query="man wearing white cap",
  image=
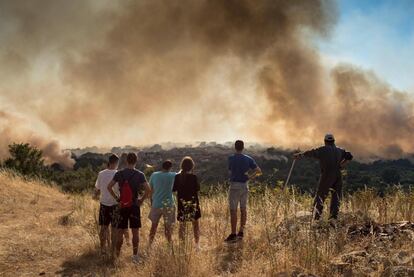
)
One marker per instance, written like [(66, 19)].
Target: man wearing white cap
[(332, 159)]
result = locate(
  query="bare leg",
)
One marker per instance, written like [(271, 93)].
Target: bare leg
[(243, 218), (114, 233), (181, 232), (152, 233), (135, 240), (126, 235), (120, 241), (233, 220), (103, 236), (168, 231), (196, 229)]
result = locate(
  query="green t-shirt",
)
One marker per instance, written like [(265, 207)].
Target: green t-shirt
[(161, 184)]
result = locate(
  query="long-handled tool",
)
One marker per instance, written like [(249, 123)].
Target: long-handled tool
[(290, 173)]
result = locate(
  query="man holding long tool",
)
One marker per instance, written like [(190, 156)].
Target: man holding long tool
[(332, 159)]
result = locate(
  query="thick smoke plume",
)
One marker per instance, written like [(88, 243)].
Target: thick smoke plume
[(14, 129), (155, 70)]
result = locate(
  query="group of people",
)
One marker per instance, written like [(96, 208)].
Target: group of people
[(123, 190)]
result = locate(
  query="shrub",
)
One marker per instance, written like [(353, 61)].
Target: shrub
[(25, 159)]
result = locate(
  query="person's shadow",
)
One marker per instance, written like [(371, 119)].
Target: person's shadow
[(231, 257), (88, 264)]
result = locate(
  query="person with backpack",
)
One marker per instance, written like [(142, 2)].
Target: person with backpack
[(242, 168), (121, 165), (162, 200), (331, 159), (108, 205), (131, 182), (187, 187)]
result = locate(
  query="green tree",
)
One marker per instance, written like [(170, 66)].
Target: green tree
[(391, 176), (25, 159)]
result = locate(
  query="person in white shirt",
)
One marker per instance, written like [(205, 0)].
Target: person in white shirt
[(108, 204)]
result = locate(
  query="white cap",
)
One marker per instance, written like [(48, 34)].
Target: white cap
[(329, 137)]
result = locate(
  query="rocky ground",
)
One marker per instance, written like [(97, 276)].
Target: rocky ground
[(364, 247)]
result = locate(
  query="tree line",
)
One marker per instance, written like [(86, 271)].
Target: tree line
[(382, 175)]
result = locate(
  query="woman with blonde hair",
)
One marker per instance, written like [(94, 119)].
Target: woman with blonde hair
[(187, 187)]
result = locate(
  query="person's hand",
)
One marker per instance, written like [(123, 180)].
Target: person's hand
[(297, 156), (254, 174), (140, 201), (118, 200), (343, 164), (95, 196)]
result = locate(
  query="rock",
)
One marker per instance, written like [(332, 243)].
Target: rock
[(354, 256), (303, 214), (294, 227), (398, 271), (295, 273), (344, 269), (389, 229), (304, 275), (375, 259), (409, 233), (403, 224), (403, 258)]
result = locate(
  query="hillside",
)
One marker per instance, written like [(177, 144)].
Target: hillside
[(33, 238), (46, 232)]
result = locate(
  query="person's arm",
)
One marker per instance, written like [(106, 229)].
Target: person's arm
[(96, 194), (147, 192), (151, 185), (97, 191), (254, 169), (254, 173), (111, 190), (346, 158), (229, 166), (150, 195), (175, 185), (314, 153), (197, 184)]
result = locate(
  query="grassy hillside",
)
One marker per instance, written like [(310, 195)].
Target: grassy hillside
[(46, 232)]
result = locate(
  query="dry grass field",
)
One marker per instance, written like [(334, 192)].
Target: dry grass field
[(45, 232)]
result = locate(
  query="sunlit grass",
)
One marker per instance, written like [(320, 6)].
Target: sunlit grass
[(280, 235)]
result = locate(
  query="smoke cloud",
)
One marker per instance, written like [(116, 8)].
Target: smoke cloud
[(152, 71), (15, 129)]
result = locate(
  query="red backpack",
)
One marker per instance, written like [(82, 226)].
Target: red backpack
[(126, 195)]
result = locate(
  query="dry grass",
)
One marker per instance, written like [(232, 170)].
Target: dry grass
[(44, 231)]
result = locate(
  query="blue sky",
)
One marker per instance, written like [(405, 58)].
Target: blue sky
[(375, 35)]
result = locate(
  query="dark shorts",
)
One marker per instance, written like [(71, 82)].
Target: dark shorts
[(131, 215), (107, 214)]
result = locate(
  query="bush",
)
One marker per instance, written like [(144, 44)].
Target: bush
[(25, 159), (391, 176)]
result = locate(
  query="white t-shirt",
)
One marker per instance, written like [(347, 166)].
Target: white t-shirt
[(104, 178)]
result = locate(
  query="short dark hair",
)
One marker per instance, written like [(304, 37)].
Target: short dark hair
[(239, 145), (113, 159), (187, 164), (167, 164), (132, 158)]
